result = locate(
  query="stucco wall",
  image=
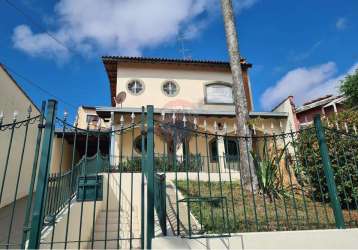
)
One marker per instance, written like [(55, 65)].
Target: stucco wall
[(317, 239), (65, 152), (13, 99), (190, 80)]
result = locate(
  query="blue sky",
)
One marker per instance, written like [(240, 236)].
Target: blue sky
[(301, 48)]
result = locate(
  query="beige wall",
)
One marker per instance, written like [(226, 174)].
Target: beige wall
[(190, 81), (317, 239), (65, 152), (291, 123), (82, 119), (13, 99)]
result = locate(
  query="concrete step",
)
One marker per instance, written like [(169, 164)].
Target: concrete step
[(113, 227), (114, 235)]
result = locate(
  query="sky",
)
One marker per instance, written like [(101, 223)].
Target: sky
[(300, 48)]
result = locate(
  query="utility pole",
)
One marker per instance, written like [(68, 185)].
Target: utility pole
[(238, 91)]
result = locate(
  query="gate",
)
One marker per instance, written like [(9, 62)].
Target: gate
[(67, 189)]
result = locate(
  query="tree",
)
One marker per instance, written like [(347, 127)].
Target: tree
[(349, 88), (241, 109)]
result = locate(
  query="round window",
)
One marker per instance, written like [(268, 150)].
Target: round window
[(135, 87), (170, 88)]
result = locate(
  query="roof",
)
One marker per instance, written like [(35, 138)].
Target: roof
[(19, 87), (111, 62), (105, 112), (284, 100), (319, 102)]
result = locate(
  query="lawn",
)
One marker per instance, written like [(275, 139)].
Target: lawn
[(236, 212)]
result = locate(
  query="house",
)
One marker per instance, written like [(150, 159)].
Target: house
[(326, 106), (15, 166), (196, 91)]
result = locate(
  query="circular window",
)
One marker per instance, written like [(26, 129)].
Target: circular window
[(170, 88), (135, 87)]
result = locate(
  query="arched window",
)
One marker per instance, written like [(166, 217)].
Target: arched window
[(218, 93), (138, 144)]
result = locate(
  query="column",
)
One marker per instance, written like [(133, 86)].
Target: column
[(221, 153)]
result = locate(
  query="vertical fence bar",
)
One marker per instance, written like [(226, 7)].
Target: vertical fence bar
[(142, 117), (33, 176), (328, 172), (37, 217), (150, 176)]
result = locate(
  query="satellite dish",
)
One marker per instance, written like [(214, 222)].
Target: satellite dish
[(120, 97)]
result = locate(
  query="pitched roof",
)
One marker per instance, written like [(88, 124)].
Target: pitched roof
[(111, 62), (18, 86), (318, 102)]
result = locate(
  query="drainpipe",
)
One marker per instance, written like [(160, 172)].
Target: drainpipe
[(112, 149)]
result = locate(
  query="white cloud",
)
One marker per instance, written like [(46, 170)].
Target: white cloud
[(305, 84), (341, 23), (37, 44), (123, 27)]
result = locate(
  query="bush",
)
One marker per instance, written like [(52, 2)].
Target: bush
[(343, 152)]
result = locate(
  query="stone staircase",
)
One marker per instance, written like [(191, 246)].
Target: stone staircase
[(109, 237)]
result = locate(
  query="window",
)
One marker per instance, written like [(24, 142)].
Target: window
[(231, 149), (135, 87), (170, 88), (213, 150), (218, 93), (92, 119), (138, 144)]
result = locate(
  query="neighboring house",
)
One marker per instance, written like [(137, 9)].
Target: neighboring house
[(326, 106), (15, 103), (14, 100), (298, 117)]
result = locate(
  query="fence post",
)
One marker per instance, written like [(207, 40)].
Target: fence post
[(328, 172), (41, 186), (150, 176)]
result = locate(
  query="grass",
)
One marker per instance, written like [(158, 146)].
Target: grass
[(236, 211)]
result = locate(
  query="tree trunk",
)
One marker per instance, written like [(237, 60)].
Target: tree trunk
[(238, 91)]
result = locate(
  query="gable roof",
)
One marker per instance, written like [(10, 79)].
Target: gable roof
[(18, 86), (111, 63), (319, 102)]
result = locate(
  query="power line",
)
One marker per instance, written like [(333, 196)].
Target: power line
[(39, 87), (38, 25)]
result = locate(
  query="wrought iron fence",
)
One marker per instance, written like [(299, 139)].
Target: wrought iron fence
[(86, 187), (160, 201), (20, 145), (292, 182)]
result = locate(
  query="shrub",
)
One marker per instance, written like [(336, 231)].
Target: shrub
[(343, 152)]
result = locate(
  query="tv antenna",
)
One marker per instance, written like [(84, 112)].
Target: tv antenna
[(181, 43)]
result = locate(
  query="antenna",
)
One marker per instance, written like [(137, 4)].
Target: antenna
[(181, 44), (120, 97)]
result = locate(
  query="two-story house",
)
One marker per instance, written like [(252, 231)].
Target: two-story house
[(198, 92)]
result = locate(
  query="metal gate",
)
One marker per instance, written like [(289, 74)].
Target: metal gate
[(78, 192)]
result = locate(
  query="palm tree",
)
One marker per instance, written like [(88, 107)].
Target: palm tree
[(241, 109)]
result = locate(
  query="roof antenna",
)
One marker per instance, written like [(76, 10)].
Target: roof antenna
[(181, 45)]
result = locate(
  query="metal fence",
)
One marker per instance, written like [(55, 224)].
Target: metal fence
[(68, 187), (20, 145), (294, 181)]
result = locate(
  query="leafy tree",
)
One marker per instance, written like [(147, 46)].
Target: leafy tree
[(349, 88)]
